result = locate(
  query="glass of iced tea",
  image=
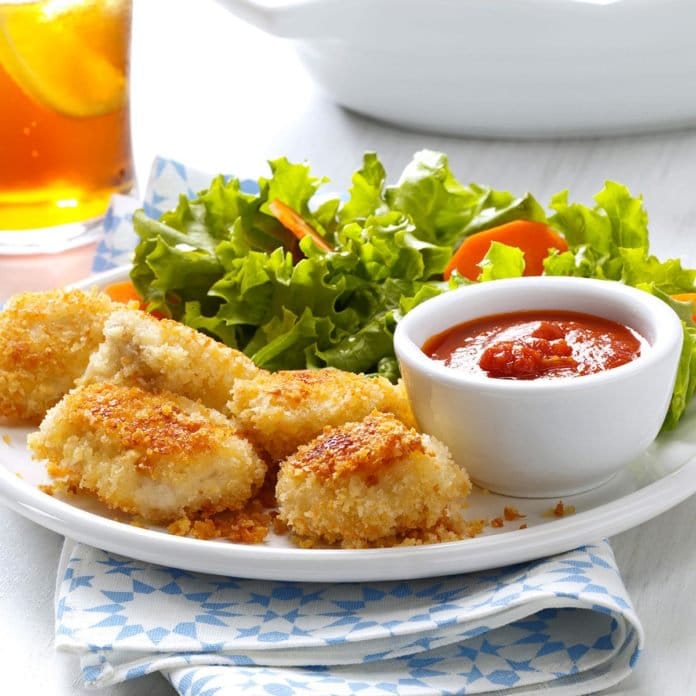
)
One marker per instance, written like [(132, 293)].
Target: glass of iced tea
[(65, 143)]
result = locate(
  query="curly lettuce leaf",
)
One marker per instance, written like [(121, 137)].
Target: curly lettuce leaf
[(618, 220), (439, 206), (286, 303), (224, 264), (173, 265), (502, 261), (685, 382), (499, 207), (366, 193), (444, 211)]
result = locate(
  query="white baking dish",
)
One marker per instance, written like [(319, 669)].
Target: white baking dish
[(512, 68)]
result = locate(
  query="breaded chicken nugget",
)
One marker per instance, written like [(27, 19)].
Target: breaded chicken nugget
[(161, 354), (286, 409), (160, 456), (46, 339), (362, 482)]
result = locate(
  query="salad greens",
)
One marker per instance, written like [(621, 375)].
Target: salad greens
[(223, 262)]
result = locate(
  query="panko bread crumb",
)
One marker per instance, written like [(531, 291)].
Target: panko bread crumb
[(46, 339), (368, 482), (161, 456), (286, 409), (248, 526), (162, 354)]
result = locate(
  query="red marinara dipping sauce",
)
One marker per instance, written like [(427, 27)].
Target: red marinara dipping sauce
[(538, 344)]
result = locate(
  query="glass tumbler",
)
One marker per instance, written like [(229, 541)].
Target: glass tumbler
[(65, 144)]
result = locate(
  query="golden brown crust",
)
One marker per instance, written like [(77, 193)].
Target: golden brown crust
[(364, 447), (46, 339), (286, 409), (248, 526), (157, 455), (152, 425), (371, 483), (145, 433), (161, 354)]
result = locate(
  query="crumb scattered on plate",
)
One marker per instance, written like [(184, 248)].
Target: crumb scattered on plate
[(511, 513), (560, 510), (248, 526)]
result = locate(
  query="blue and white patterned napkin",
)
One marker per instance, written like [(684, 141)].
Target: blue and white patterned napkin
[(563, 624)]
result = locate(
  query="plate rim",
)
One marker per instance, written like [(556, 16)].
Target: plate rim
[(347, 565), (343, 565)]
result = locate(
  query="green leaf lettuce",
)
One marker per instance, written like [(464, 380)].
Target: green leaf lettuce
[(223, 263)]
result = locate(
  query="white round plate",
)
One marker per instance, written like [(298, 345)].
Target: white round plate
[(656, 481)]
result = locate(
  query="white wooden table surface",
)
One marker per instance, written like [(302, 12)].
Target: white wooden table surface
[(212, 92)]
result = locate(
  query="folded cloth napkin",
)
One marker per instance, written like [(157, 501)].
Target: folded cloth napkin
[(563, 624)]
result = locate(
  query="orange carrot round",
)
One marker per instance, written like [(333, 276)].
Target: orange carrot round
[(533, 238), (687, 297), (123, 291)]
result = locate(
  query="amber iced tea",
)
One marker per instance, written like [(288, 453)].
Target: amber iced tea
[(64, 120)]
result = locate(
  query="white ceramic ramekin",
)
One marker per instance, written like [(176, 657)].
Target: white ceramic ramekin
[(542, 438)]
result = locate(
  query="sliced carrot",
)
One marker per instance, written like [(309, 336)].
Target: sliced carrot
[(533, 238), (124, 291), (294, 222), (687, 297)]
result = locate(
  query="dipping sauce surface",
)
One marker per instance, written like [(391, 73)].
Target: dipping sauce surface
[(538, 344)]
